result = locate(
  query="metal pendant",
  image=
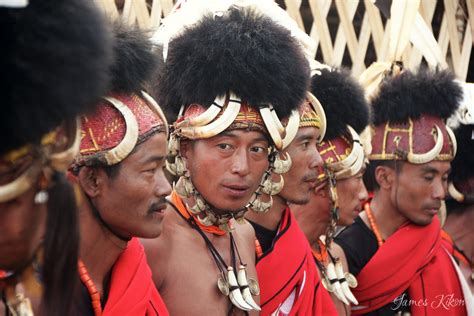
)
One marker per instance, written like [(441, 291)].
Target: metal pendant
[(254, 287), (223, 285), (351, 279)]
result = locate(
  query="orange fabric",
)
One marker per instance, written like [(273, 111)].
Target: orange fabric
[(132, 291), (178, 202), (452, 250), (414, 257)]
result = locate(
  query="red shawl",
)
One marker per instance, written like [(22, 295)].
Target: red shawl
[(289, 265), (132, 291), (413, 258)]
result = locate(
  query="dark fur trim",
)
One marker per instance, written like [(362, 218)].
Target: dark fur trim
[(242, 51), (343, 100), (463, 164), (134, 60), (410, 95), (54, 61)]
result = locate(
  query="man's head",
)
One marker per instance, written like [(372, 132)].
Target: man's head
[(233, 76), (412, 146), (340, 190), (305, 158), (124, 146), (461, 179), (55, 55), (40, 102), (415, 190)]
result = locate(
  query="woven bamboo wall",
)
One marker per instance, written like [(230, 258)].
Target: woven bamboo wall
[(352, 33)]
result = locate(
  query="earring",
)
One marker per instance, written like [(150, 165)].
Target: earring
[(41, 197)]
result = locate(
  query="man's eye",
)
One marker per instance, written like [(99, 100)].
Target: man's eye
[(258, 149), (224, 146)]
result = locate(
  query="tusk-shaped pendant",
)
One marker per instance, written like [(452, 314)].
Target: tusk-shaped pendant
[(344, 285), (244, 288), (234, 291), (331, 272)]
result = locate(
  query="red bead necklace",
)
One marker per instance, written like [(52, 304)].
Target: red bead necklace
[(87, 281), (373, 226)]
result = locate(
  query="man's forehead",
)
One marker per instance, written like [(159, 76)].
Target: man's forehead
[(252, 135), (308, 132), (154, 145), (432, 166)]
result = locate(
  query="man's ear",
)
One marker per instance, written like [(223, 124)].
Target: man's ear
[(184, 148), (385, 177), (321, 189), (90, 180)]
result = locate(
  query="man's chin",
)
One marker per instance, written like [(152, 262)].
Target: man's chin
[(300, 201)]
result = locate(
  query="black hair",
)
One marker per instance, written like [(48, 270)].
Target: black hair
[(241, 51), (54, 62), (343, 100), (370, 180), (135, 61), (411, 95), (61, 242)]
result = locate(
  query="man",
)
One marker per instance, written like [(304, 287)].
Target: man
[(122, 186), (235, 73), (285, 268), (397, 238), (458, 225), (339, 191), (54, 60)]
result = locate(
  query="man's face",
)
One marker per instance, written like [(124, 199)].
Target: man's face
[(22, 226), (227, 169), (351, 193), (301, 178), (132, 201), (420, 190)]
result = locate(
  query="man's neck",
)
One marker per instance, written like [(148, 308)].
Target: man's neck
[(387, 217), (99, 248), (459, 227), (312, 227), (271, 219)]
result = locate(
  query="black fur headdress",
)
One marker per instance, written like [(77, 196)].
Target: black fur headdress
[(343, 100), (410, 95), (134, 62), (54, 62), (241, 51), (462, 167)]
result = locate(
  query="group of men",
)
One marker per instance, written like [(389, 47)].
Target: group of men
[(236, 206)]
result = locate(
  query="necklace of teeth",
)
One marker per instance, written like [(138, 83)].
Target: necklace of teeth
[(336, 281), (231, 282)]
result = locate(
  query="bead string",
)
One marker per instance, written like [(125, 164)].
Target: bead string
[(373, 226), (87, 281)]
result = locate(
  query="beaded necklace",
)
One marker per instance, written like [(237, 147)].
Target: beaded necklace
[(89, 284), (372, 223)]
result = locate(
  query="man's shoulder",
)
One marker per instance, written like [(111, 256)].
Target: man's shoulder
[(245, 229), (358, 243), (354, 234)]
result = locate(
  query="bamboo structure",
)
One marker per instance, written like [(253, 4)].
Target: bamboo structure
[(358, 33)]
